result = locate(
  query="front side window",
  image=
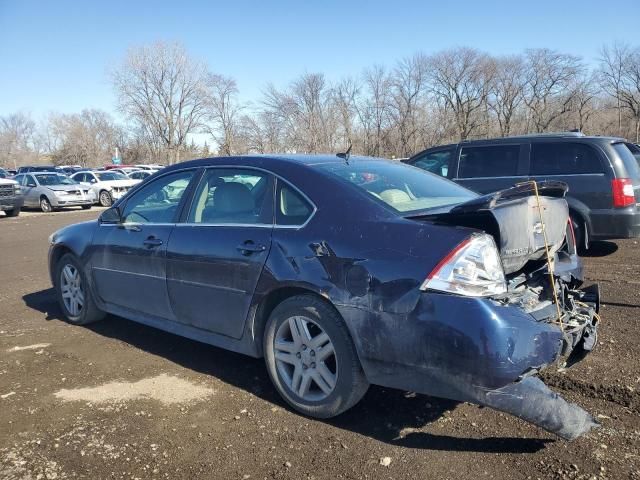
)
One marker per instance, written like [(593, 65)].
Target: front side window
[(406, 189), (233, 196), (564, 159), (436, 162), (158, 201), (490, 161), (292, 208), (29, 181)]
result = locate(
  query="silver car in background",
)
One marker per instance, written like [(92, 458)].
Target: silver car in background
[(51, 190), (108, 186)]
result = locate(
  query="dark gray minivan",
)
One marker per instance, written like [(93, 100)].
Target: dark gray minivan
[(602, 174)]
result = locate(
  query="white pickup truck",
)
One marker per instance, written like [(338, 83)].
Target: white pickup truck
[(11, 198)]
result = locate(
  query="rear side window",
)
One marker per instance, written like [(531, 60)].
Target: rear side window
[(627, 155), (435, 162), (292, 208), (564, 159), (491, 161)]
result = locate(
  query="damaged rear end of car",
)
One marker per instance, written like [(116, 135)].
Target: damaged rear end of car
[(523, 257)]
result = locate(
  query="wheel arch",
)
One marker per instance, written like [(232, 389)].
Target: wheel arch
[(271, 300), (55, 254)]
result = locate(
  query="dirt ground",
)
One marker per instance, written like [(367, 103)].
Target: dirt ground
[(121, 400)]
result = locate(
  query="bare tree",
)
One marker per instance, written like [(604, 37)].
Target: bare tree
[(163, 90), (223, 113), (17, 139), (88, 138), (630, 88), (550, 77), (507, 91), (408, 92), (460, 78), (611, 71), (373, 109)]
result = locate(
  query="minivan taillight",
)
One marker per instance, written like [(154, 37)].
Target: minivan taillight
[(622, 191)]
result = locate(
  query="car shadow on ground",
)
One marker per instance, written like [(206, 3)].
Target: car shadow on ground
[(600, 248), (387, 415)]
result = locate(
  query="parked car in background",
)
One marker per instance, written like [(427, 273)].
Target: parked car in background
[(107, 186), (71, 169), (11, 172), (125, 170), (149, 167), (4, 173), (601, 172), (345, 273), (635, 150), (50, 190), (141, 174), (11, 197), (39, 168)]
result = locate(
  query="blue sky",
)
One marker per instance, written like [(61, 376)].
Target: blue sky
[(55, 54)]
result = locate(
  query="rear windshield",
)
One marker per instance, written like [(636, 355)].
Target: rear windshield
[(108, 176), (404, 188), (631, 162)]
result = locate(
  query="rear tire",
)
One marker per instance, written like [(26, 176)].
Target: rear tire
[(311, 358), (12, 213), (73, 292)]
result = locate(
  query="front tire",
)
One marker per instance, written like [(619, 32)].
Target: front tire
[(12, 213), (73, 292), (45, 205), (311, 358), (86, 207)]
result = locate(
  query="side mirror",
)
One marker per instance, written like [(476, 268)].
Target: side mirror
[(111, 215)]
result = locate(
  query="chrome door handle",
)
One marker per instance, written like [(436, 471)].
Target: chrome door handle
[(248, 247), (152, 242)]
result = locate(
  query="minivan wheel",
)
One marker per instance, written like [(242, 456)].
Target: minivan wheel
[(73, 293), (105, 198), (13, 212), (311, 358), (45, 205)]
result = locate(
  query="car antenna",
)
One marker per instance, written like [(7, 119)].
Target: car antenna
[(346, 155)]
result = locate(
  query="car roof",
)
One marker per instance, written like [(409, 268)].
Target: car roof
[(272, 159)]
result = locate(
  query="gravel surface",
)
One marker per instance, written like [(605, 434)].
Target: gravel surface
[(121, 400)]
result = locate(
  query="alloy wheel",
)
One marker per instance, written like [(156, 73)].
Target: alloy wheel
[(72, 290), (105, 199), (45, 205), (305, 358)]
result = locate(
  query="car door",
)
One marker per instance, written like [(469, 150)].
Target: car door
[(488, 168), (215, 257), (31, 195), (579, 165), (128, 259)]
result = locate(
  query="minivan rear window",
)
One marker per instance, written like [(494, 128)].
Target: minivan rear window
[(490, 161), (631, 162), (564, 159)]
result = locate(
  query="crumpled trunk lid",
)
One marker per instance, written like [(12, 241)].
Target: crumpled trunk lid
[(512, 217)]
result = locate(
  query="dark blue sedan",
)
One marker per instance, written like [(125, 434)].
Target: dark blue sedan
[(343, 272)]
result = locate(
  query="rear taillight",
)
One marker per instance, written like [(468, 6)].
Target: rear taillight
[(472, 268), (622, 191)]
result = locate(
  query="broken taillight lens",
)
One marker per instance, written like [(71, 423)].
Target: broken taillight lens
[(622, 191), (472, 268)]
